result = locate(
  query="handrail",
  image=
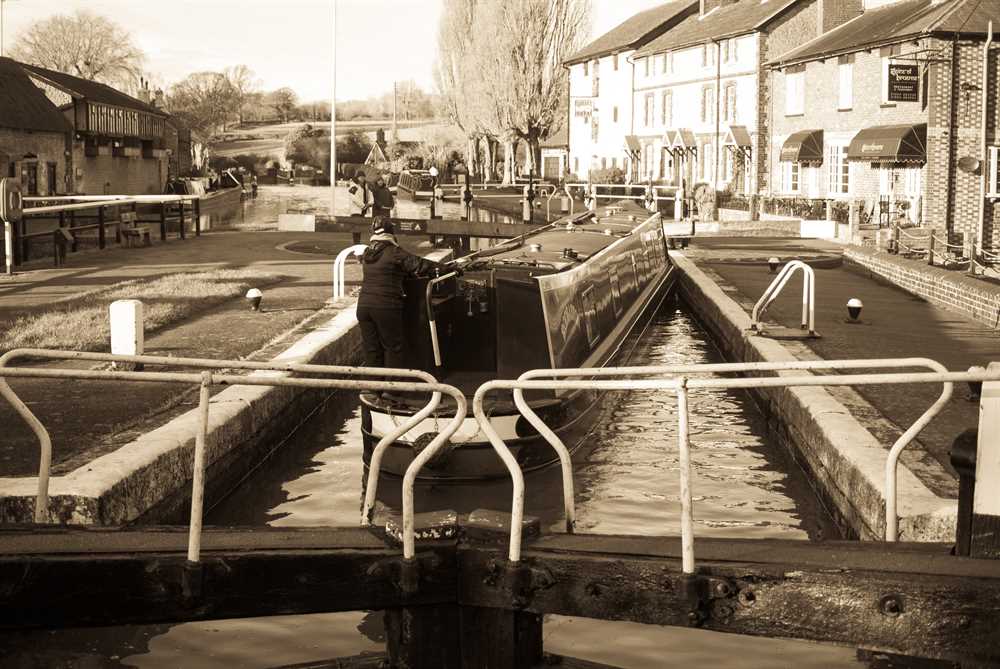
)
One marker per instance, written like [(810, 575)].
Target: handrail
[(730, 367), (683, 383), (45, 463), (430, 315), (339, 285), (808, 295)]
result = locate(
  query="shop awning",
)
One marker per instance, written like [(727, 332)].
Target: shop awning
[(737, 135), (890, 144), (632, 144), (804, 146)]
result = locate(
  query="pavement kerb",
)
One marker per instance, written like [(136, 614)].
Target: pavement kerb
[(121, 486), (845, 461)]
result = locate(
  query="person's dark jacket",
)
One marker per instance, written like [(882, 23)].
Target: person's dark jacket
[(383, 197), (385, 265)]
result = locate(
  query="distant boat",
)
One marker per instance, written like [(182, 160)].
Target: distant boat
[(415, 185), (565, 296)]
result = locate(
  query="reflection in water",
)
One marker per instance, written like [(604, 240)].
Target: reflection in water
[(626, 482)]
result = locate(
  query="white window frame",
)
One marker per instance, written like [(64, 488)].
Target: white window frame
[(845, 78), (667, 113), (839, 171), (912, 180), (586, 68), (614, 61), (614, 114), (791, 177), (707, 104), (706, 162), (795, 92), (647, 64), (729, 102), (648, 108)]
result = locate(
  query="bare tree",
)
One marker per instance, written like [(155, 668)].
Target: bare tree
[(453, 74), (244, 85), (85, 45), (205, 101)]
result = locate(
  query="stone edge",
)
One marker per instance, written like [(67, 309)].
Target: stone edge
[(846, 462)]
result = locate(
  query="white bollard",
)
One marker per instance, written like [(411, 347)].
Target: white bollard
[(126, 327), (986, 502), (8, 245)]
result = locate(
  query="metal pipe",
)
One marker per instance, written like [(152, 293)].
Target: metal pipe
[(45, 448), (198, 470), (684, 467), (339, 283), (984, 167), (430, 315), (409, 479)]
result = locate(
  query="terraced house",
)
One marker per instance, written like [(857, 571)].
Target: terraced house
[(895, 115), (601, 80), (702, 92)]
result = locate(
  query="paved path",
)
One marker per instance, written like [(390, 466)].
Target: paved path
[(895, 324), (88, 418)]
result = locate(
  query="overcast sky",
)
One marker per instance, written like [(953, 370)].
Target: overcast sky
[(286, 42)]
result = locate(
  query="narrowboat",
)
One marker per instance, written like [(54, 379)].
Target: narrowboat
[(415, 185), (564, 296)]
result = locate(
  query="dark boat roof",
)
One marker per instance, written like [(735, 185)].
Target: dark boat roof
[(586, 236)]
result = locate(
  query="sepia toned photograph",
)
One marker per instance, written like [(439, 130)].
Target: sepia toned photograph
[(500, 334)]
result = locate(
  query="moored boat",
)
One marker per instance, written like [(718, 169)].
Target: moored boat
[(415, 184), (565, 296)]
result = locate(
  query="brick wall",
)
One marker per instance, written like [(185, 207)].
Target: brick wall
[(832, 13), (49, 147), (973, 298), (119, 175)]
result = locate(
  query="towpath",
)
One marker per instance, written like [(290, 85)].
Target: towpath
[(894, 324), (89, 418)]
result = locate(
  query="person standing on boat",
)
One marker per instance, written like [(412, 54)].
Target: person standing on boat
[(380, 306), (382, 196), (361, 195)]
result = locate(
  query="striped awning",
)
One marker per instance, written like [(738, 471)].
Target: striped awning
[(804, 146), (632, 145), (890, 144), (684, 139), (737, 135)]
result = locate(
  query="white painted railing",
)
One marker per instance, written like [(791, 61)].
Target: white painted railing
[(339, 283), (772, 292)]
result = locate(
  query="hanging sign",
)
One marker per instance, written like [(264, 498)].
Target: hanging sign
[(583, 108), (904, 82)]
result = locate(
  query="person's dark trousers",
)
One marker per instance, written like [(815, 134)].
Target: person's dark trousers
[(382, 337), (381, 211)]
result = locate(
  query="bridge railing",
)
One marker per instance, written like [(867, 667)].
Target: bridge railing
[(680, 382), (216, 373)]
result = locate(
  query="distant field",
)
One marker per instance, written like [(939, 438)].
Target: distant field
[(269, 140)]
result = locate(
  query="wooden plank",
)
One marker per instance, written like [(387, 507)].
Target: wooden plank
[(938, 615)]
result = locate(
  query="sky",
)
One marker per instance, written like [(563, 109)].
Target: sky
[(286, 42), (378, 40)]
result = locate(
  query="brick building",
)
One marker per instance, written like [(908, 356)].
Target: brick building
[(601, 80), (886, 112), (117, 141), (702, 94), (34, 136)]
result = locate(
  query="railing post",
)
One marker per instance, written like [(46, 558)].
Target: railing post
[(118, 225), (163, 221), (985, 531), (970, 253), (963, 459), (684, 467), (183, 231), (101, 240), (197, 217), (198, 472), (25, 245), (72, 224), (930, 249)]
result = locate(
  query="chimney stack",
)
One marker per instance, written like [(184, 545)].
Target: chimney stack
[(158, 99), (833, 13)]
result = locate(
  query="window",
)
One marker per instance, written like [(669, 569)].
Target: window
[(604, 163), (911, 180), (594, 129), (614, 115), (845, 72), (614, 163), (576, 165), (794, 92), (729, 102), (668, 62), (668, 108), (706, 161), (596, 82), (646, 64), (648, 109), (614, 61), (704, 55), (887, 54), (647, 161), (586, 68), (790, 177), (993, 176), (590, 315), (840, 170), (707, 104), (616, 292), (727, 50)]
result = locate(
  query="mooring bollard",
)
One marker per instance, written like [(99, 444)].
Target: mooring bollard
[(984, 539), (127, 336), (8, 246)]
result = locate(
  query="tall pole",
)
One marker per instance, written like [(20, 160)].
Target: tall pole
[(395, 137), (2, 5), (333, 112)]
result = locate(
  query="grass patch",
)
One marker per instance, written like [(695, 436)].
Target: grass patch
[(81, 323)]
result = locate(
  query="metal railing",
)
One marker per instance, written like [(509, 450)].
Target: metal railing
[(339, 283), (681, 385), (808, 295), (431, 320), (426, 384)]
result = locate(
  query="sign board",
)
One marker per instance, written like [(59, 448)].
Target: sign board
[(583, 108), (10, 200), (904, 82)]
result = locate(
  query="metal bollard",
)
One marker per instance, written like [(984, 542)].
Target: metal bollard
[(8, 246), (963, 459)]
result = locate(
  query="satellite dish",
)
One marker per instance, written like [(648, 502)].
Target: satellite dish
[(969, 164)]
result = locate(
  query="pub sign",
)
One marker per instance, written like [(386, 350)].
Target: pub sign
[(904, 82)]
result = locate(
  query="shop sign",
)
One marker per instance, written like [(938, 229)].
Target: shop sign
[(904, 82), (583, 108)]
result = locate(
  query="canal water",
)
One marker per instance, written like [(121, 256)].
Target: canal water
[(626, 483)]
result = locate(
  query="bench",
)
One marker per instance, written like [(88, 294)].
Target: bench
[(132, 233)]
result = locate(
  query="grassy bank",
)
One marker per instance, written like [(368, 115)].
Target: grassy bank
[(81, 323)]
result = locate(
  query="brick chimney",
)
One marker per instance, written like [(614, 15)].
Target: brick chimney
[(833, 13), (158, 99), (143, 91)]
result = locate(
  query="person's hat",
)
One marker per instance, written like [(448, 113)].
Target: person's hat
[(381, 226), (360, 173)]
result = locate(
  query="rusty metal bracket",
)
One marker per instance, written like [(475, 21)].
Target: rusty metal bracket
[(405, 573), (713, 598), (519, 581)]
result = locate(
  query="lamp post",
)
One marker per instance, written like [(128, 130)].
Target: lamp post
[(434, 182)]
